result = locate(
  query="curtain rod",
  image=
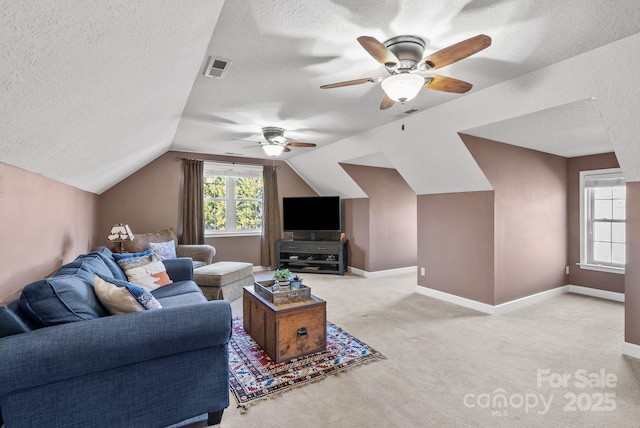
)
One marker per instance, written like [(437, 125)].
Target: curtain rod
[(178, 158)]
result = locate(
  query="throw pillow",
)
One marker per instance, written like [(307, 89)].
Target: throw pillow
[(121, 297), (164, 250), (146, 271), (10, 324), (66, 296), (119, 256)]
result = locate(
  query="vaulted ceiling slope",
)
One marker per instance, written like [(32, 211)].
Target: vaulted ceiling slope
[(89, 93), (92, 91)]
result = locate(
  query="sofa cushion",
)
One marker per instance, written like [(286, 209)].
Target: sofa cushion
[(144, 270), (164, 250), (182, 299), (176, 289), (179, 293), (67, 296), (91, 262), (197, 264), (107, 257), (121, 297), (10, 324)]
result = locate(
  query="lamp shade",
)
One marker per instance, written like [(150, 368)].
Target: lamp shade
[(119, 233), (402, 87), (273, 149)]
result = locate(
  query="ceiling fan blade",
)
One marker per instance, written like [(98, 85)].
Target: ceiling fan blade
[(448, 84), (300, 144), (352, 82), (286, 149), (378, 51), (246, 141), (457, 51), (386, 102)]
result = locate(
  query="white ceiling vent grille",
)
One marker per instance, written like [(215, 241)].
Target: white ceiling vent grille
[(217, 67)]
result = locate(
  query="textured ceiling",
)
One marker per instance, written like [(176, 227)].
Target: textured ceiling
[(89, 94), (92, 91), (568, 130)]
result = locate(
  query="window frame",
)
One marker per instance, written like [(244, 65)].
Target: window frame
[(586, 209), (228, 170)]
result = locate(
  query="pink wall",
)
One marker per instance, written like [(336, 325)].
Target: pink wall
[(392, 217), (357, 230), (530, 216), (632, 269), (583, 277), (43, 224), (150, 200), (455, 244)]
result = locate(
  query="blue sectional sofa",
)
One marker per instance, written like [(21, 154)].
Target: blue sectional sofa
[(66, 362)]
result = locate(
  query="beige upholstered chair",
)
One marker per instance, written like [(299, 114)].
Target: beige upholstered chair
[(201, 255)]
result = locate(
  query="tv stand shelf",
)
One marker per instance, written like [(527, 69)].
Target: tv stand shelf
[(312, 256)]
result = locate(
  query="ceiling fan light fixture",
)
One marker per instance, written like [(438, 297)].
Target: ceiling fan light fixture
[(272, 149), (402, 87)]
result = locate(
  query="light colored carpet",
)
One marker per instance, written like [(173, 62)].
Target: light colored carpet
[(446, 364)]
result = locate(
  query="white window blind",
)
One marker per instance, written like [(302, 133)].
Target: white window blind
[(603, 220)]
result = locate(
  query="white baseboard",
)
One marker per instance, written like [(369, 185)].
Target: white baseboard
[(456, 300), (631, 350), (520, 303), (523, 302), (594, 292), (382, 273)]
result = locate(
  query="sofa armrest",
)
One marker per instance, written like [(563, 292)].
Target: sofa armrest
[(179, 269), (201, 253), (65, 351)]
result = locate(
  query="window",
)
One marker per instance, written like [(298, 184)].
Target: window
[(232, 199), (603, 215)]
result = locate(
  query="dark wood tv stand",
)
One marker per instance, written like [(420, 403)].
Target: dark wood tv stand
[(312, 256)]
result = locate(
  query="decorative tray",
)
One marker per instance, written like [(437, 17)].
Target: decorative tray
[(284, 295)]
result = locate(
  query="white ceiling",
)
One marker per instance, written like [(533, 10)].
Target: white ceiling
[(568, 130), (89, 94)]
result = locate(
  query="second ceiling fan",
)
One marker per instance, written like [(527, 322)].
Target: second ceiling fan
[(403, 58), (277, 143)]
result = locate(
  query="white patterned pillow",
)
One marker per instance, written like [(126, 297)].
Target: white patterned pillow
[(145, 270), (164, 250), (121, 297)]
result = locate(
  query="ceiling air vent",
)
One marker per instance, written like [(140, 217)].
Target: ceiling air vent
[(217, 67), (410, 111)]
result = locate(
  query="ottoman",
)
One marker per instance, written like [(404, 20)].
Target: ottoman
[(223, 280)]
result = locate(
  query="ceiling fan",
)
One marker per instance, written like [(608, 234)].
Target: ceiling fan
[(276, 143), (403, 58)]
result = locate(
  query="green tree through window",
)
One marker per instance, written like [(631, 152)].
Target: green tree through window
[(233, 200)]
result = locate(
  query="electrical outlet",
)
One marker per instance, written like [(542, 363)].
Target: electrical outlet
[(566, 270), (422, 271)]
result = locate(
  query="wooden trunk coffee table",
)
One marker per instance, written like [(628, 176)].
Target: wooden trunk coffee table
[(285, 330)]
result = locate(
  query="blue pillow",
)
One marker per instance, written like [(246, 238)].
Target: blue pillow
[(119, 256), (107, 257), (64, 297), (121, 297), (10, 324)]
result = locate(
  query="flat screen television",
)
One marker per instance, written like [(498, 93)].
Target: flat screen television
[(311, 214)]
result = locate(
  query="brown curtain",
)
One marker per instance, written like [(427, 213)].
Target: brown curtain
[(193, 202), (271, 230)]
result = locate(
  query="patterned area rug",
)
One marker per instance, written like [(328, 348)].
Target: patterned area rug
[(254, 376)]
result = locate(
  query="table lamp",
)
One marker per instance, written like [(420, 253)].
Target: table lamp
[(120, 233)]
